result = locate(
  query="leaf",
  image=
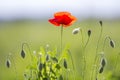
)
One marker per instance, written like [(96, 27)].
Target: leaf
[(60, 77), (45, 78), (65, 52), (54, 59), (42, 50), (58, 66), (53, 53), (51, 70)]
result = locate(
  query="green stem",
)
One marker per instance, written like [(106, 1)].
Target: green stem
[(86, 43), (71, 59), (116, 61), (82, 36), (95, 59), (61, 37), (74, 72), (107, 37), (84, 58), (83, 53)]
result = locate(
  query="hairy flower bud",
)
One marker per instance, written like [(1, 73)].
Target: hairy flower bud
[(112, 44), (89, 33), (23, 54), (76, 30), (8, 63)]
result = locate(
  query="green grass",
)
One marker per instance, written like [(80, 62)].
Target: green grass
[(40, 33)]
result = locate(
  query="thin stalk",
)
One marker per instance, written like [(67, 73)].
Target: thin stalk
[(71, 59), (95, 59), (84, 68), (82, 37), (86, 43), (61, 37), (72, 63), (83, 52), (107, 37), (116, 61), (61, 42)]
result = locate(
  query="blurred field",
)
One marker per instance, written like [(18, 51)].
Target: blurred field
[(40, 33)]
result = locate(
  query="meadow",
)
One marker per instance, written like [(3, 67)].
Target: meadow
[(41, 33)]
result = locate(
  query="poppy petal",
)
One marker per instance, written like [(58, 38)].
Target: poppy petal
[(53, 21), (63, 18)]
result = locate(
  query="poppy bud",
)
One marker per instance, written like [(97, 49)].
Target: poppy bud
[(8, 63), (65, 63), (103, 62), (40, 66), (23, 54), (112, 44), (76, 30), (89, 33), (100, 23), (101, 69)]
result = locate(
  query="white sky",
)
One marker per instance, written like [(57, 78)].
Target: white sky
[(11, 9)]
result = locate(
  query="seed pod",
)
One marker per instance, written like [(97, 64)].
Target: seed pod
[(65, 64), (101, 69), (76, 30), (22, 54), (89, 33), (103, 62), (100, 23), (8, 63), (40, 66), (112, 44)]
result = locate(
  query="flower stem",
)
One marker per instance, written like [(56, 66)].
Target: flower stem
[(82, 37), (95, 59), (61, 37), (74, 71), (116, 62), (107, 37), (84, 61), (84, 58)]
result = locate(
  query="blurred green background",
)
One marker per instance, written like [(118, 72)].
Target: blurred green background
[(26, 21), (40, 33)]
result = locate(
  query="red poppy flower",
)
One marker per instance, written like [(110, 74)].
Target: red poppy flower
[(63, 18)]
